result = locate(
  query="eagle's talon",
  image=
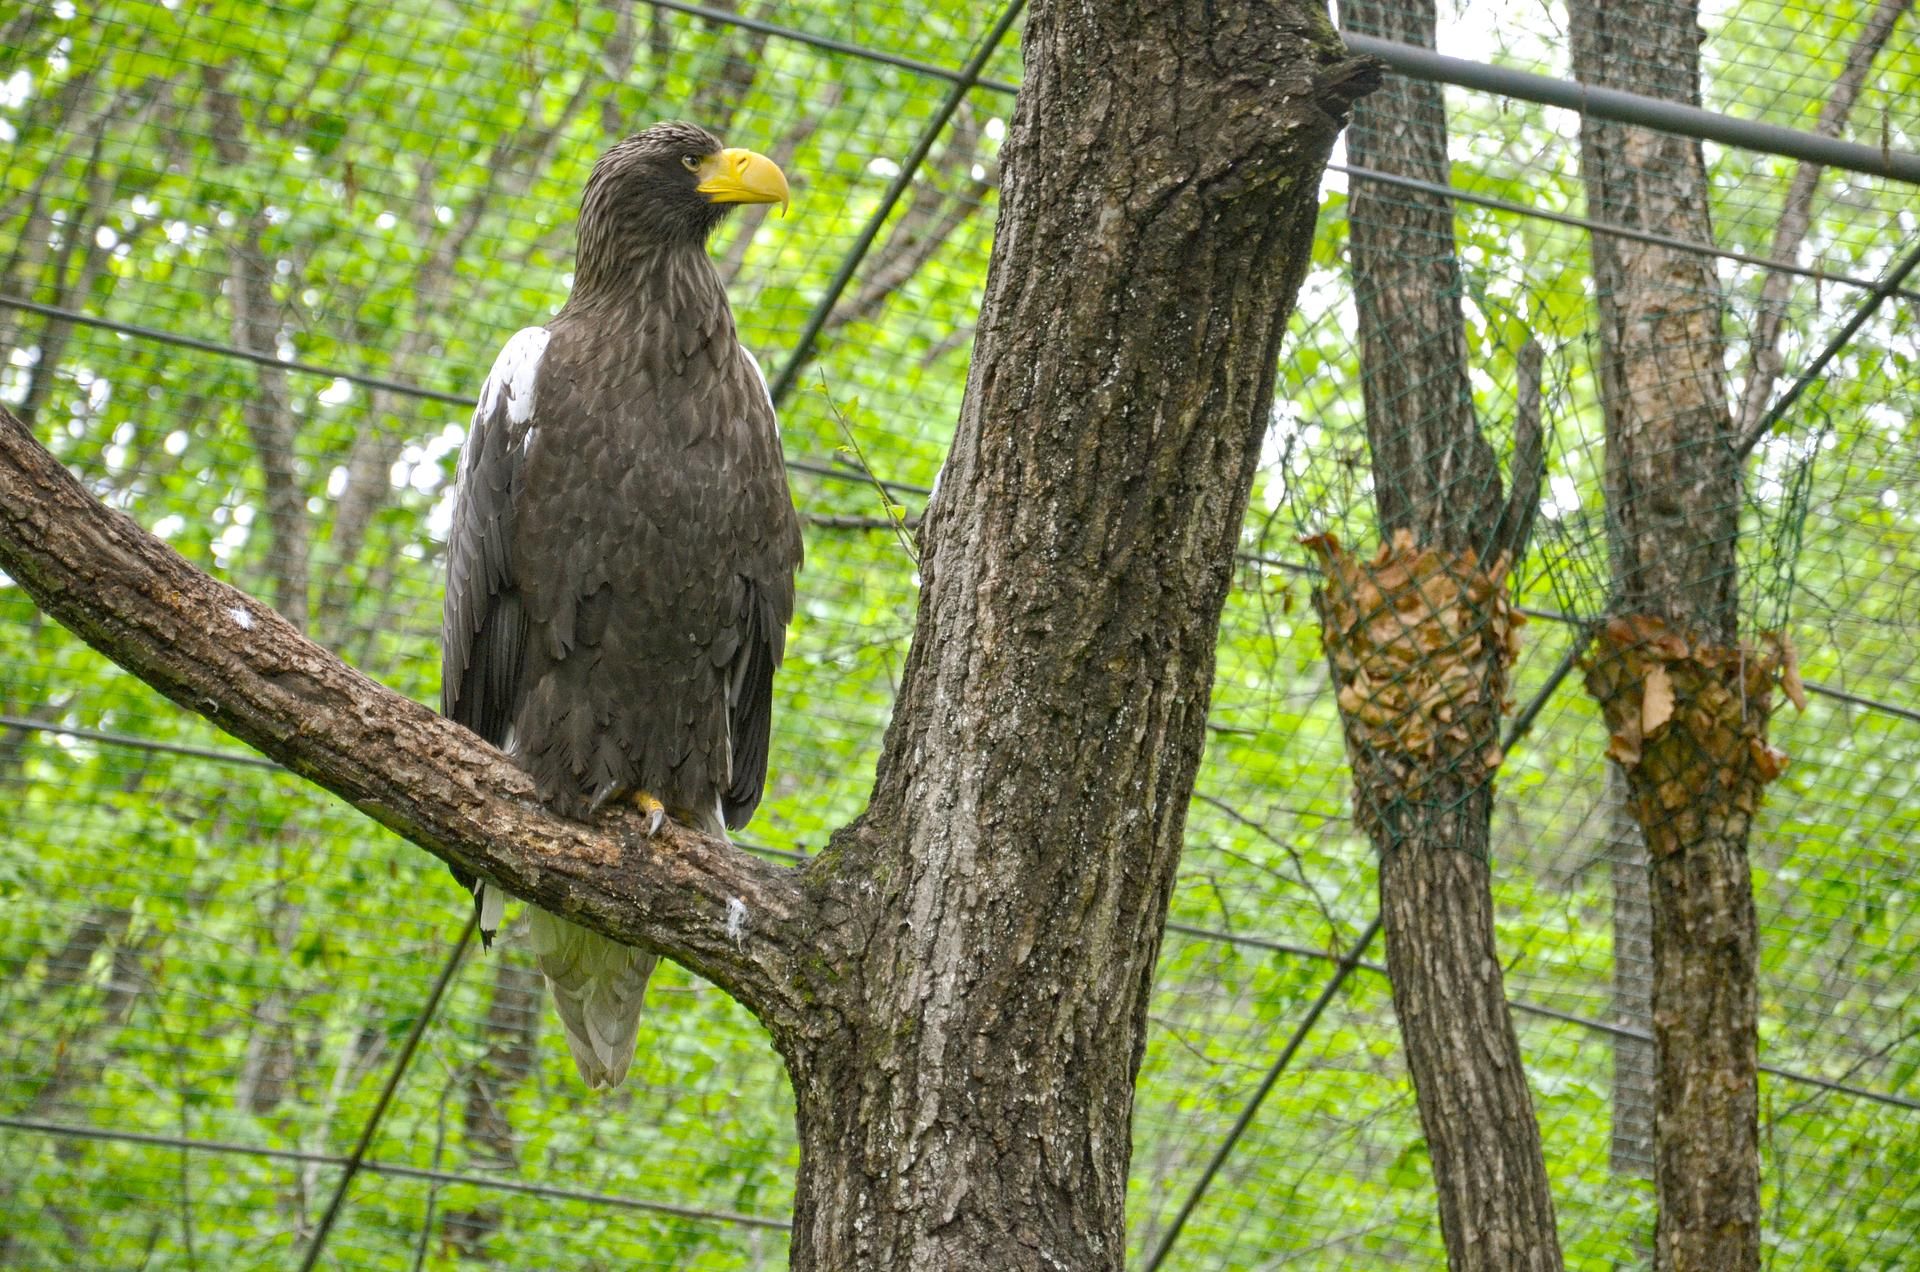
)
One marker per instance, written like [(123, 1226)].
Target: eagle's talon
[(656, 812)]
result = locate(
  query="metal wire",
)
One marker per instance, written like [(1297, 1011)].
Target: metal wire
[(909, 168), (1891, 1099), (725, 17), (357, 1158), (1818, 367), (1516, 733), (1348, 961), (223, 349), (1614, 230), (815, 468), (395, 1169)]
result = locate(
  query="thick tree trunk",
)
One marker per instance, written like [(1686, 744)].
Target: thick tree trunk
[(1423, 787), (1673, 496), (973, 1108)]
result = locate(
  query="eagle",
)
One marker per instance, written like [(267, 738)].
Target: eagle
[(621, 559)]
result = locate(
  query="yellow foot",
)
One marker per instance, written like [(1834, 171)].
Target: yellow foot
[(656, 811)]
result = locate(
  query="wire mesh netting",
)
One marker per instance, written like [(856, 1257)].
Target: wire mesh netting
[(253, 263)]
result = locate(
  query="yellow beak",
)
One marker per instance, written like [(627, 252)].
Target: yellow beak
[(741, 176)]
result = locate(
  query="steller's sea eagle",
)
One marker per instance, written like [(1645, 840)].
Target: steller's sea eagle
[(621, 559)]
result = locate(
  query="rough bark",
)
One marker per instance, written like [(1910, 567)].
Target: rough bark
[(1673, 498), (1425, 801), (1159, 201), (959, 983), (1434, 474), (1672, 479)]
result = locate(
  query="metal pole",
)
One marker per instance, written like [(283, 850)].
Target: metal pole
[(1633, 108)]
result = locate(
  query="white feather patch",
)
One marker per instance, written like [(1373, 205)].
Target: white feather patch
[(737, 921), (755, 364), (241, 618), (515, 375), (493, 907)]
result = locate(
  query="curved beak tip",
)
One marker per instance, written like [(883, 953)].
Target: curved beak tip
[(743, 176)]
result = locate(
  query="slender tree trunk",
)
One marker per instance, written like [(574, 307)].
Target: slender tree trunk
[(64, 288), (511, 1025), (1424, 780), (972, 1108), (1687, 714), (271, 423), (1764, 361)]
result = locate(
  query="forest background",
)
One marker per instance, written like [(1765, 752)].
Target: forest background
[(253, 263)]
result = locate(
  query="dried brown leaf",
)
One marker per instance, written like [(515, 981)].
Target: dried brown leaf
[(1770, 760), (1656, 700), (1790, 675)]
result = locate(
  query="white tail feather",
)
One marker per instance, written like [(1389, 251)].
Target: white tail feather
[(493, 906), (598, 985)]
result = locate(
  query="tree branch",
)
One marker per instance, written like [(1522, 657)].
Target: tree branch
[(1764, 363), (744, 924)]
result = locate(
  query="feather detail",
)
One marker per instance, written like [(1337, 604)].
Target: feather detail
[(515, 375), (493, 905), (598, 986), (762, 376)]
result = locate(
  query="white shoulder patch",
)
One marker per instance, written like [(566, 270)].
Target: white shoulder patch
[(515, 374), (755, 364)]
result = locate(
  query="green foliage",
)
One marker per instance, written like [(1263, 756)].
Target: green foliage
[(209, 950)]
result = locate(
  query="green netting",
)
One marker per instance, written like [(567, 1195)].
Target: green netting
[(247, 248)]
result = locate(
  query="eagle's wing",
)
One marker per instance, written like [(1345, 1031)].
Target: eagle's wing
[(483, 629), (766, 608), (750, 705)]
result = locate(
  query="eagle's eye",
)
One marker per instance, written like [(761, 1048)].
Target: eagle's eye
[(690, 162)]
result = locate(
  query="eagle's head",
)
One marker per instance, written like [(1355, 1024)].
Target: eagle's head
[(671, 184)]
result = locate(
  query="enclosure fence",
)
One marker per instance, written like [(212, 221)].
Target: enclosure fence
[(253, 262)]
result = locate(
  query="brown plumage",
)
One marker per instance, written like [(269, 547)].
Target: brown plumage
[(623, 545)]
